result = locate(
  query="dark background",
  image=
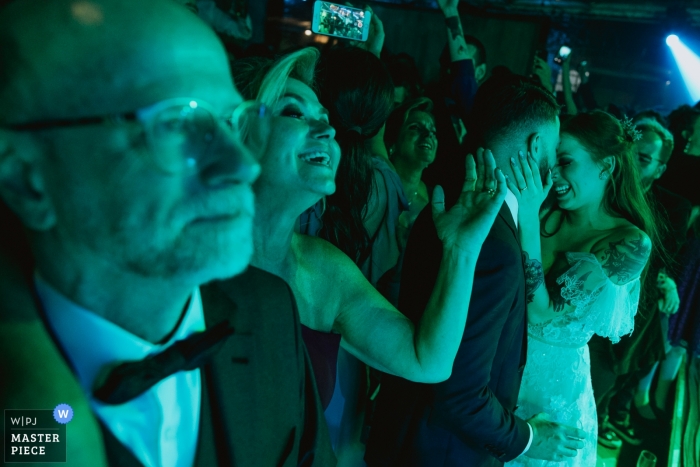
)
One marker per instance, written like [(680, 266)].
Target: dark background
[(623, 41)]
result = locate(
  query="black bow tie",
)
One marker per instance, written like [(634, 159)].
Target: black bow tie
[(131, 379)]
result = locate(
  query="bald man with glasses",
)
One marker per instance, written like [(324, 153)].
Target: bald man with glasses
[(121, 155)]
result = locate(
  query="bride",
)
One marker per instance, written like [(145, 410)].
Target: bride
[(583, 262)]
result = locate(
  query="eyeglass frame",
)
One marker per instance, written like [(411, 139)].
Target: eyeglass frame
[(143, 116)]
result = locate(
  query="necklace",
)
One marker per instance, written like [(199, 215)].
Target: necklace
[(413, 198)]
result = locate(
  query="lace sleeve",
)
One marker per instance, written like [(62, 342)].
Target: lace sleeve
[(601, 306)]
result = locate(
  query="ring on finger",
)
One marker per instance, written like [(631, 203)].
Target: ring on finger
[(490, 191), (523, 189)]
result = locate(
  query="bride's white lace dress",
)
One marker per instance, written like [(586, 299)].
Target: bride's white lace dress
[(557, 376)]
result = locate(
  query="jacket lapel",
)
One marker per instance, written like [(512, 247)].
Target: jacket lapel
[(507, 216)]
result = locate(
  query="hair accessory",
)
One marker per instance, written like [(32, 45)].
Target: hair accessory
[(356, 129), (629, 130)]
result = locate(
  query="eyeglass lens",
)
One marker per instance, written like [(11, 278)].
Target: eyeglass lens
[(181, 136)]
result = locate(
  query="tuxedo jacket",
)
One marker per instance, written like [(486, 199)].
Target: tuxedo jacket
[(260, 406), (468, 420)]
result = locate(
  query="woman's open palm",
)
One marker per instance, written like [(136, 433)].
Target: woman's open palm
[(466, 225)]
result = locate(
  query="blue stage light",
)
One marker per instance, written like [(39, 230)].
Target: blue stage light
[(688, 64)]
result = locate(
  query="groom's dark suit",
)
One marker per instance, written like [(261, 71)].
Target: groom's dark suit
[(466, 421)]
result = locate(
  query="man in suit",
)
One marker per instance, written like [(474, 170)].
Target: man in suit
[(134, 191), (468, 420)]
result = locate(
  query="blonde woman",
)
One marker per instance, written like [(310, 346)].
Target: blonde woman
[(299, 167)]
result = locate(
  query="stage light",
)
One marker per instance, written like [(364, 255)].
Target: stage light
[(307, 32), (688, 64)]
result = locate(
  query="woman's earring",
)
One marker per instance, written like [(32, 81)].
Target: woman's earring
[(603, 175)]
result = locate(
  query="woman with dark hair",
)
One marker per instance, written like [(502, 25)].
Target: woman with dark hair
[(412, 141), (584, 259), (360, 218)]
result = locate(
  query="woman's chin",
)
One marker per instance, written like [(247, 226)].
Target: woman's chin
[(322, 188)]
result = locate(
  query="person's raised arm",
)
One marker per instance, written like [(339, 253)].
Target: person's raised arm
[(380, 335), (455, 35), (375, 37), (566, 85), (543, 73)]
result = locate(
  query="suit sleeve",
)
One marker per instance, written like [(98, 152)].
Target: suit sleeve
[(464, 404), (314, 444)]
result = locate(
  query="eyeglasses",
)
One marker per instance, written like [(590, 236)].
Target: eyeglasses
[(180, 132)]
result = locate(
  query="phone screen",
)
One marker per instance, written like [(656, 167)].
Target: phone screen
[(340, 20)]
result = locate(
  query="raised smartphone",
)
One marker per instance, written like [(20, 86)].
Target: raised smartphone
[(334, 19)]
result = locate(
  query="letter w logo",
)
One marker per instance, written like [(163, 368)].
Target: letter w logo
[(62, 414), (15, 421)]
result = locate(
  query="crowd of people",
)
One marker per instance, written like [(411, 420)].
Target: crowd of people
[(314, 259)]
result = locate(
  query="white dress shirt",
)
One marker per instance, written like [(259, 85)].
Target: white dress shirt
[(512, 203), (161, 426)]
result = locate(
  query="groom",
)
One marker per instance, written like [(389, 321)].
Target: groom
[(468, 420)]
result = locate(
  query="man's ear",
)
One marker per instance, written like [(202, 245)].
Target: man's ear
[(659, 171), (480, 72), (534, 145), (22, 183)]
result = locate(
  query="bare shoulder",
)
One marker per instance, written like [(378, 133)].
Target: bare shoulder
[(324, 282), (623, 253), (319, 253)]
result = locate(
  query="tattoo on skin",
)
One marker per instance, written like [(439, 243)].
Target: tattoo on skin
[(454, 26), (555, 296), (576, 288), (534, 276), (626, 259)]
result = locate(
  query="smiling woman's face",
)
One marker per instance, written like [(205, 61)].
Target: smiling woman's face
[(576, 176), (417, 142), (301, 152)]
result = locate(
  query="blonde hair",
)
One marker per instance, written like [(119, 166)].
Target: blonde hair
[(264, 80)]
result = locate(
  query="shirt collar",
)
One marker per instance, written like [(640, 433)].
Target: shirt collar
[(91, 342), (512, 203)]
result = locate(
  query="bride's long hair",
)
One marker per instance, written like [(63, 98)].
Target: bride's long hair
[(603, 135)]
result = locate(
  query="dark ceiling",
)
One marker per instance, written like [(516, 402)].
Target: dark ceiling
[(677, 12)]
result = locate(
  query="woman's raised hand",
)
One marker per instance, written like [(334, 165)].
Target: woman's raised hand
[(528, 188), (466, 225)]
